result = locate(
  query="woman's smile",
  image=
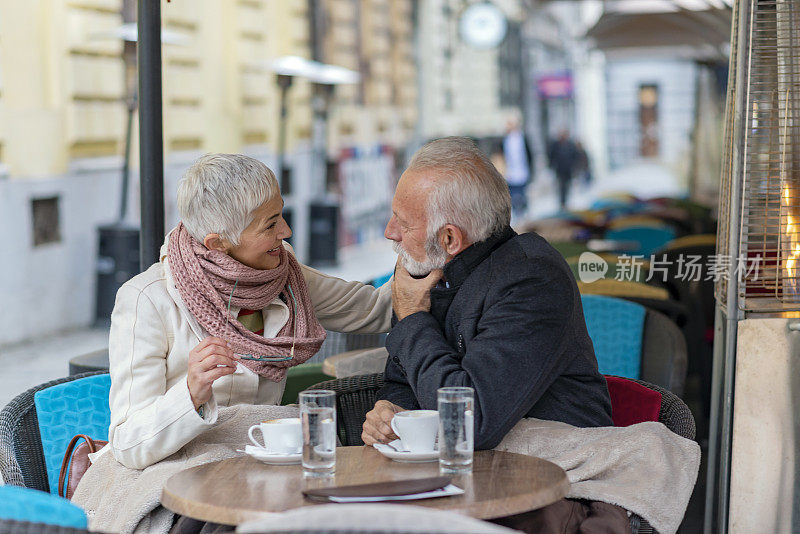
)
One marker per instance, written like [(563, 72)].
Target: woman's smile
[(268, 228)]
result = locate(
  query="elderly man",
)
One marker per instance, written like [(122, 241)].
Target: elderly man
[(478, 305)]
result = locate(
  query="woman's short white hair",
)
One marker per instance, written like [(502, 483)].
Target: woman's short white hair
[(473, 196), (219, 193)]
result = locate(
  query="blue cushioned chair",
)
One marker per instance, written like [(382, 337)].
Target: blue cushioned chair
[(64, 410), (638, 341), (650, 238), (34, 511), (616, 327), (22, 459)]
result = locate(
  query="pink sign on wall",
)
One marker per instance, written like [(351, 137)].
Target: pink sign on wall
[(555, 85)]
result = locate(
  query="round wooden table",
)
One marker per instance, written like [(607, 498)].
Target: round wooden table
[(242, 489)]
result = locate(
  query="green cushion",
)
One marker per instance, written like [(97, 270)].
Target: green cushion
[(301, 377), (569, 248)]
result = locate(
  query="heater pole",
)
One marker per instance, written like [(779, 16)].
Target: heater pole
[(719, 449)]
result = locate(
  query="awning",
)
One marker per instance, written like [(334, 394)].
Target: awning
[(706, 33)]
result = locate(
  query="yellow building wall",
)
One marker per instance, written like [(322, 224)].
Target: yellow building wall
[(60, 94), (62, 88), (375, 37)]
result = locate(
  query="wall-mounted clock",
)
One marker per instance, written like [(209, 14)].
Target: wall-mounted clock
[(483, 25)]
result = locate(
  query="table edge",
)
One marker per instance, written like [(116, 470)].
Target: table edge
[(221, 515)]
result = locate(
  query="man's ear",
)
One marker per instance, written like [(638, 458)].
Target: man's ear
[(214, 242), (453, 239)]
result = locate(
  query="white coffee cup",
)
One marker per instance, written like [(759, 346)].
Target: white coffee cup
[(417, 429), (281, 436)]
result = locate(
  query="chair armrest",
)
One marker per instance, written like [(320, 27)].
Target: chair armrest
[(355, 396)]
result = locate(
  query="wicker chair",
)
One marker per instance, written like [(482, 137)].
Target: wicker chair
[(674, 413), (356, 395), (677, 417), (21, 456)]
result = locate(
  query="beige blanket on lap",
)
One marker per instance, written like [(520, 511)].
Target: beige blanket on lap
[(644, 468), (118, 499)]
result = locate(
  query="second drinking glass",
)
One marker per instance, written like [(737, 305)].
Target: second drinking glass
[(456, 429), (318, 417)]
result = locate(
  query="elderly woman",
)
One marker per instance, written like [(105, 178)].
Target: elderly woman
[(222, 316)]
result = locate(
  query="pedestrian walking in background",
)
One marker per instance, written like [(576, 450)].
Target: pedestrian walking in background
[(563, 159), (583, 167), (518, 160)]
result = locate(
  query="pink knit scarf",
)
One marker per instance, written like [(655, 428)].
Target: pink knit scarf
[(205, 280)]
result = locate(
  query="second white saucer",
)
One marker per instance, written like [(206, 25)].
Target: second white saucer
[(403, 455)]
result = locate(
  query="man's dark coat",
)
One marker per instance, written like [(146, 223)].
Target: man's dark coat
[(509, 323)]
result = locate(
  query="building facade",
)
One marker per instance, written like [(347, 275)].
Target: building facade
[(466, 90), (63, 116)]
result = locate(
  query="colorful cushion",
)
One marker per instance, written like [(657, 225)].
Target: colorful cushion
[(616, 327), (649, 238), (34, 506), (77, 407), (631, 402)]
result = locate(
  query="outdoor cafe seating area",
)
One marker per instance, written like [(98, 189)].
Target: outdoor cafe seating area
[(652, 335), (660, 254)]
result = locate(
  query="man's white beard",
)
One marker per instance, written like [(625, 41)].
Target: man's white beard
[(435, 258)]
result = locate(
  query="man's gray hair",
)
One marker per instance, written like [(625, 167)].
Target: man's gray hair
[(472, 196), (219, 193)]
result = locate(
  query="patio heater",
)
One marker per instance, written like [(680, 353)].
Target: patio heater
[(754, 441), (315, 218)]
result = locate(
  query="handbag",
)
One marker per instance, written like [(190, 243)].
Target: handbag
[(76, 462)]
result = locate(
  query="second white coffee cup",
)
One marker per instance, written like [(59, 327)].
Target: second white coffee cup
[(281, 436), (417, 429)]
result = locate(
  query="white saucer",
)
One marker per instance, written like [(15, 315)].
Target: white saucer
[(273, 458), (404, 455)]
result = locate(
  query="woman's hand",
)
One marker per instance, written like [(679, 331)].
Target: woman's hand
[(211, 359), (377, 427)]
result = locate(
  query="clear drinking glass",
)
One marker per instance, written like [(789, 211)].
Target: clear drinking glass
[(456, 429), (318, 417)]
